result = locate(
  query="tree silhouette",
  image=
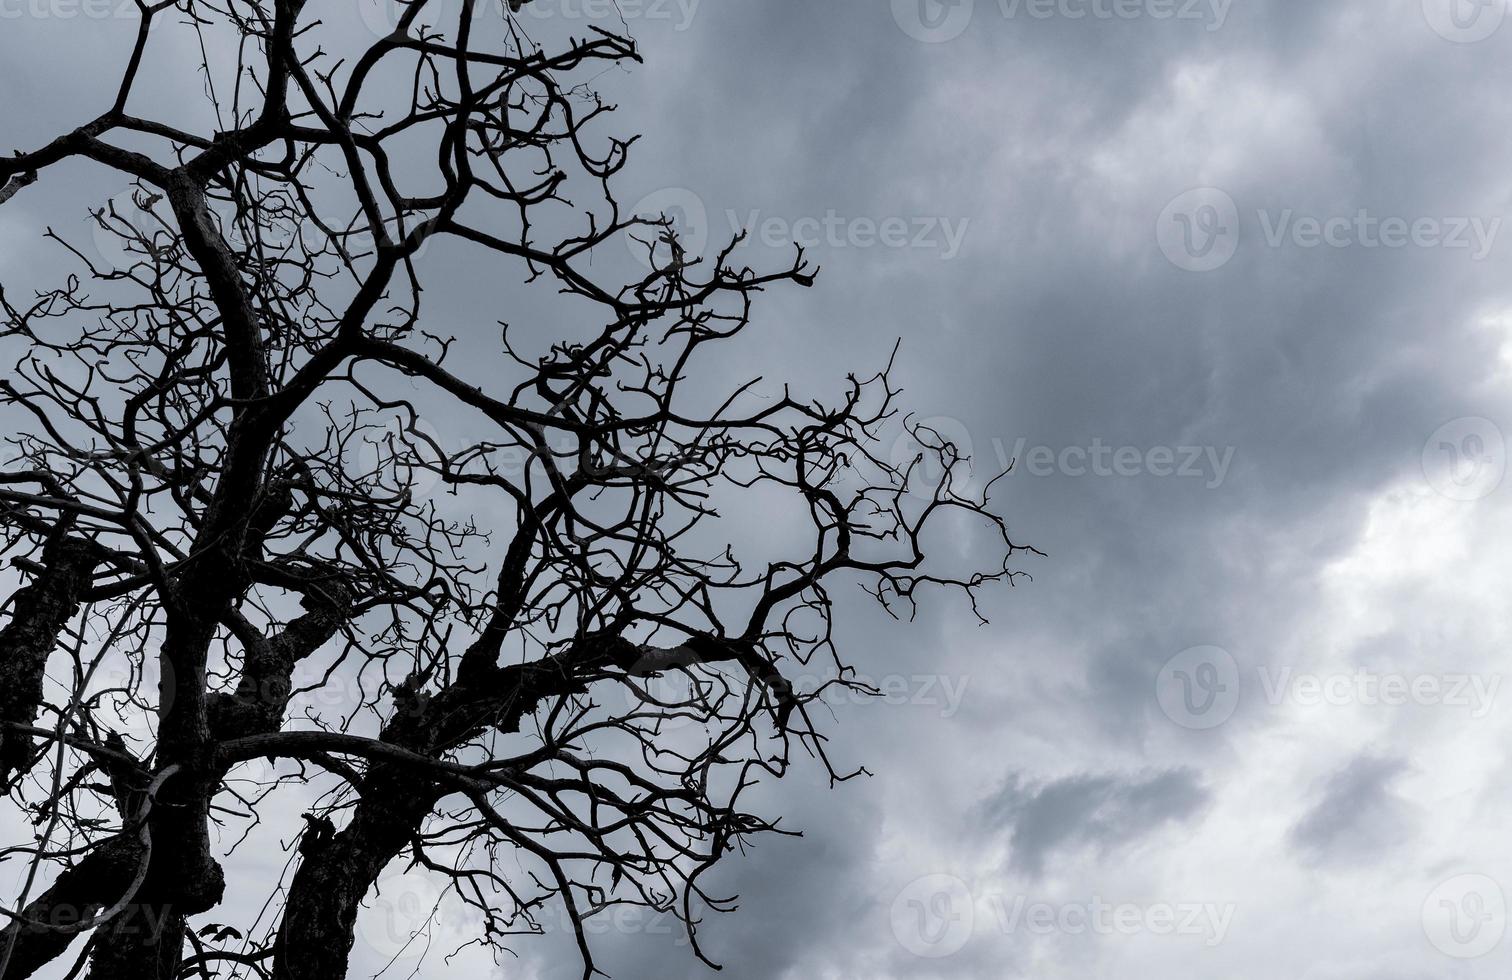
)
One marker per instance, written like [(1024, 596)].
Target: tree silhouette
[(523, 656)]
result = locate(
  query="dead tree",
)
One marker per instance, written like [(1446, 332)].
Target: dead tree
[(213, 448)]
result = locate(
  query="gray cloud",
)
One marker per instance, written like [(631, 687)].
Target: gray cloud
[(1357, 813), (1101, 812), (1325, 369)]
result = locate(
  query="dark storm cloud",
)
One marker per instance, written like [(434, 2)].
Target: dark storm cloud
[(1324, 370), (1060, 323), (1101, 812), (1357, 813), (798, 904)]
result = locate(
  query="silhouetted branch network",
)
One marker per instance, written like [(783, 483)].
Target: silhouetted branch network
[(524, 656)]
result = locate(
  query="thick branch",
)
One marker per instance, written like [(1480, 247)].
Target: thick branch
[(40, 612)]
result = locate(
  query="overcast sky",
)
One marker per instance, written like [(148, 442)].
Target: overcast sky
[(1229, 281)]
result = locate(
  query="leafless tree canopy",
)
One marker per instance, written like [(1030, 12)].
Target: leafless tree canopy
[(220, 500)]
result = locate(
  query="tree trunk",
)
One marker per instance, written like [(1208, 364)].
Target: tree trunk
[(315, 937)]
